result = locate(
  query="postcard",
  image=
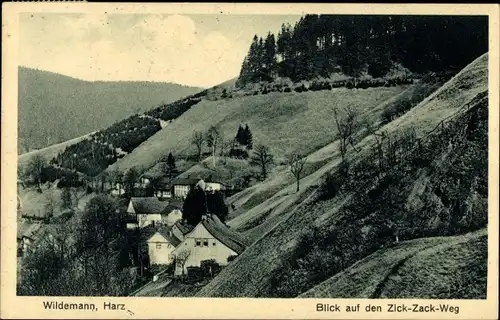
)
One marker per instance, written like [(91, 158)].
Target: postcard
[(249, 161)]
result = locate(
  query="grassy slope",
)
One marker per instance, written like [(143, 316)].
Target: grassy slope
[(54, 108), (439, 105), (48, 152), (284, 122), (34, 203), (277, 194), (426, 268), (257, 264)]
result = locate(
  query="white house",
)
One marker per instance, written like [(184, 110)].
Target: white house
[(152, 211), (147, 210), (170, 215), (163, 189), (181, 186), (210, 239), (26, 235), (118, 189), (161, 244), (180, 230), (214, 186)]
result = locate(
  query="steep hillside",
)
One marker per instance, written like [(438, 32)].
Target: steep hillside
[(303, 238), (285, 122), (55, 108), (50, 151), (430, 268)]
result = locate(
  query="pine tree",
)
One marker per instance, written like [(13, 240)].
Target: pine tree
[(240, 135), (194, 206), (270, 62), (129, 180), (248, 138), (216, 205), (171, 168), (66, 198)]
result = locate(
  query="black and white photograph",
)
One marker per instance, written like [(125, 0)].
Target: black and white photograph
[(229, 155)]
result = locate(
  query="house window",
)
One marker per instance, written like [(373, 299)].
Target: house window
[(158, 246), (198, 243), (213, 243), (205, 243)]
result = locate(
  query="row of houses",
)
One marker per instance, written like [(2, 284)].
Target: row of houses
[(165, 188), (170, 240)]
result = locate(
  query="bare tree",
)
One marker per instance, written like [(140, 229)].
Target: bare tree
[(51, 204), (379, 139), (197, 139), (213, 140), (296, 163), (262, 158), (181, 259), (35, 168), (347, 124)]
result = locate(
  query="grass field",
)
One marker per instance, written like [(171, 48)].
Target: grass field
[(48, 152), (427, 268), (283, 122)]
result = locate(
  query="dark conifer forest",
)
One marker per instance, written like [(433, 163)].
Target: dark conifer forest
[(319, 45)]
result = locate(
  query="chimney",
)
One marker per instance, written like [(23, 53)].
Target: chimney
[(203, 217)]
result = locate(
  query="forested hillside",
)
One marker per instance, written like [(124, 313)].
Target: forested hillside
[(54, 108), (320, 45)]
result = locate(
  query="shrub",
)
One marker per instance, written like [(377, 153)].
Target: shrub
[(209, 268), (194, 274), (331, 186), (238, 153)]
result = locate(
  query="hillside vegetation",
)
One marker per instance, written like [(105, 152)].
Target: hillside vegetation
[(283, 122), (434, 186), (429, 268), (54, 108)]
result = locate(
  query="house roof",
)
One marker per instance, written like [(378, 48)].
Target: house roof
[(164, 182), (169, 208), (185, 181), (224, 234), (184, 228), (148, 205), (150, 231)]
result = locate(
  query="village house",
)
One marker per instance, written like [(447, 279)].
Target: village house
[(209, 240), (145, 180), (152, 211), (181, 186), (172, 214), (161, 243), (118, 189), (26, 236), (181, 229), (131, 222), (214, 186), (163, 189)]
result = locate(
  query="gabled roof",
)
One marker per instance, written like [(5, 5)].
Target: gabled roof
[(184, 228), (185, 181), (148, 233), (221, 232), (148, 205), (169, 208)]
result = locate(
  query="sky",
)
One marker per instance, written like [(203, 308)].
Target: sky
[(195, 50)]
